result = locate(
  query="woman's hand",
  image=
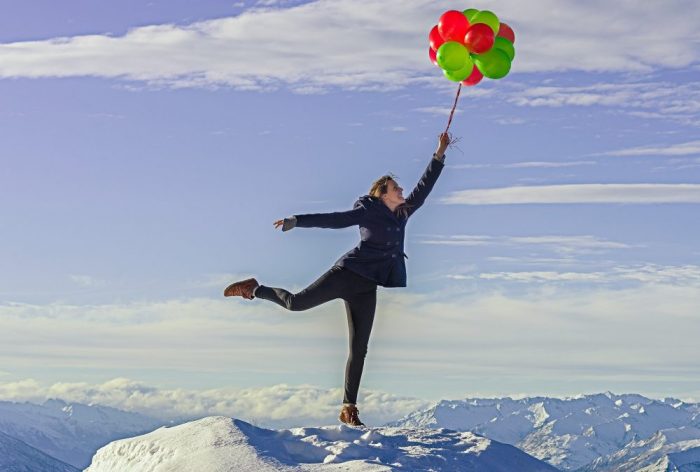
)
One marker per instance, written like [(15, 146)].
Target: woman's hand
[(278, 223), (443, 143)]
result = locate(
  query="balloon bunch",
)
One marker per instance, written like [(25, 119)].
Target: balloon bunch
[(471, 45)]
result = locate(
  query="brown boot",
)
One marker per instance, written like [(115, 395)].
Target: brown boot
[(349, 415), (244, 289)]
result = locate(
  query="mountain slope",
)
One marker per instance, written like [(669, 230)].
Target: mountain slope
[(567, 433), (16, 456), (219, 444), (70, 432), (676, 450)]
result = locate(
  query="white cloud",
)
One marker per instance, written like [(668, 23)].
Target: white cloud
[(547, 165), (525, 165), (680, 149), (578, 193), (277, 405), (544, 276), (688, 275), (87, 281), (510, 121), (438, 111), (568, 249), (388, 45), (573, 242), (656, 100)]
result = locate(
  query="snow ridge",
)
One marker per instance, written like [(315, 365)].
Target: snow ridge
[(219, 444)]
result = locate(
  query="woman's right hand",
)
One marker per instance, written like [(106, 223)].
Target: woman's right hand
[(278, 223)]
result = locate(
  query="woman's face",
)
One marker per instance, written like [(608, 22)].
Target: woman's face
[(394, 194)]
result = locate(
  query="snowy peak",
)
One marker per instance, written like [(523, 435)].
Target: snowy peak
[(673, 450), (225, 444), (17, 456), (568, 433)]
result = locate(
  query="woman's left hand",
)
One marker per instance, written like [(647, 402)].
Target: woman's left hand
[(443, 143)]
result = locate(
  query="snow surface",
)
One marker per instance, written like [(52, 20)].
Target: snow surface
[(675, 450), (220, 444), (567, 433), (70, 432), (16, 456)]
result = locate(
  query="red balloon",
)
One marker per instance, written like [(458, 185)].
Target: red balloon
[(433, 56), (479, 38), (453, 26), (474, 78), (435, 39), (507, 32)]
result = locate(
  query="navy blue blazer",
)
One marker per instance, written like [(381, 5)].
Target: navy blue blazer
[(380, 254)]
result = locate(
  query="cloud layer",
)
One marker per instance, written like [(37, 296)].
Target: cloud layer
[(578, 193), (274, 406), (307, 47), (490, 333)]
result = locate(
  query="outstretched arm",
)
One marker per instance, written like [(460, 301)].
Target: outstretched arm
[(417, 197), (340, 219)]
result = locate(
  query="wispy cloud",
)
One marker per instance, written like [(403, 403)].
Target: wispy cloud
[(384, 54), (680, 149), (578, 193), (87, 281), (654, 100), (563, 246), (525, 165), (437, 111), (547, 165), (688, 275)]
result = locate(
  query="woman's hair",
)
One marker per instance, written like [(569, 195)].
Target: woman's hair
[(381, 186)]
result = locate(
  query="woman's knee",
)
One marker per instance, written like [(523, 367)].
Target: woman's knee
[(358, 351)]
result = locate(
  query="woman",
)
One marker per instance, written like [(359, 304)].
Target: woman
[(377, 260)]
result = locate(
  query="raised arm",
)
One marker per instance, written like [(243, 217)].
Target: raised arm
[(417, 197), (340, 219)]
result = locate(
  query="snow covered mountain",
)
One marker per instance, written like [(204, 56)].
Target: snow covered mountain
[(673, 450), (220, 444), (566, 433), (71, 433), (16, 456)]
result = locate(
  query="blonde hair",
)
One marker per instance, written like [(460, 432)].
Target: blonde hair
[(381, 186)]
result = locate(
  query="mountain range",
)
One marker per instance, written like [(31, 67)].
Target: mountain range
[(587, 433), (572, 433)]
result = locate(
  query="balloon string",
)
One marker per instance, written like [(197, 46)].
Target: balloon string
[(449, 122)]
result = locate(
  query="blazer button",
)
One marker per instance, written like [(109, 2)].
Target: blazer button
[(393, 256), (388, 243)]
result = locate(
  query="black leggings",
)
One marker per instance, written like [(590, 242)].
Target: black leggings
[(360, 296)]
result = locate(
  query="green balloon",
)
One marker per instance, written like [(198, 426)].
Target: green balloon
[(451, 56), (489, 18), (461, 74), (506, 46), (494, 64), (469, 13)]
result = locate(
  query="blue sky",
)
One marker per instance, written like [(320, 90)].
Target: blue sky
[(147, 148)]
